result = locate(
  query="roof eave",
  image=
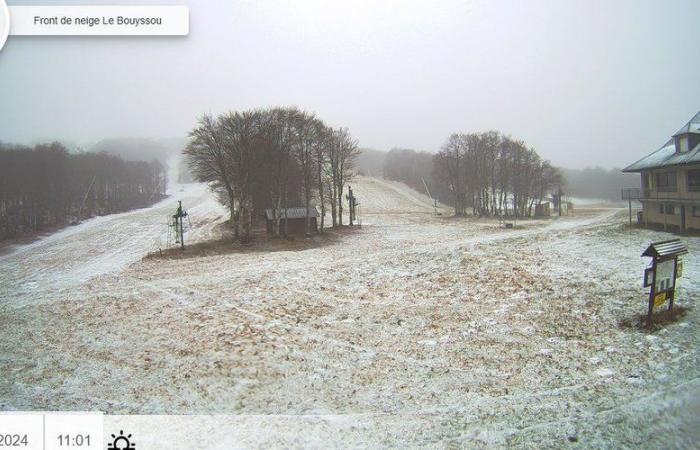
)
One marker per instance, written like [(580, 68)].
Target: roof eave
[(681, 133), (629, 169), (661, 166)]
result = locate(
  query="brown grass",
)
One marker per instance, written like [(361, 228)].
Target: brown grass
[(261, 242), (659, 319)]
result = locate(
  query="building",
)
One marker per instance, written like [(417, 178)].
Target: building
[(542, 210), (295, 217), (670, 181)]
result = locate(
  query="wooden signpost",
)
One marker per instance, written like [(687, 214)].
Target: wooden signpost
[(662, 273)]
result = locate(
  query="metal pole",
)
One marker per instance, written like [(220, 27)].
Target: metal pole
[(559, 200), (651, 296), (630, 205), (430, 196), (673, 292), (182, 236), (178, 220)]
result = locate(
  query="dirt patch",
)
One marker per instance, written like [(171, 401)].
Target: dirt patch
[(261, 242), (659, 320)]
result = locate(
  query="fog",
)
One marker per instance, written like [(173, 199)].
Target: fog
[(593, 83)]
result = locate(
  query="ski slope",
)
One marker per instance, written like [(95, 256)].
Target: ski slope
[(379, 196), (106, 244), (413, 331)]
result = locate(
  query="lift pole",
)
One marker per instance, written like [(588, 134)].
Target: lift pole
[(430, 196), (352, 204), (179, 229)]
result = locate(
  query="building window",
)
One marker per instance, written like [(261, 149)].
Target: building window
[(696, 211), (666, 181), (667, 209), (694, 180)]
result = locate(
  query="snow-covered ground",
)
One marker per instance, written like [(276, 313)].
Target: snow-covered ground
[(416, 330)]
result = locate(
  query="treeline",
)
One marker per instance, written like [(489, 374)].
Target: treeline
[(272, 158), (487, 173), (493, 174), (415, 169), (45, 186)]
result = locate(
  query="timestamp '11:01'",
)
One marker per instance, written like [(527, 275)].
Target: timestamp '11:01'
[(77, 440)]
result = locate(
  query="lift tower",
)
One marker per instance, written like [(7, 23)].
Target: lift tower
[(179, 229)]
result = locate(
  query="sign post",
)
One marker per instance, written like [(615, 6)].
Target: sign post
[(662, 273)]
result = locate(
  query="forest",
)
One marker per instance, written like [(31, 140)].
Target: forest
[(413, 167), (45, 187), (272, 158), (493, 174), (489, 173)]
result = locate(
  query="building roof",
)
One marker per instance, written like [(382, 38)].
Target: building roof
[(673, 247), (298, 212), (666, 155), (693, 126)]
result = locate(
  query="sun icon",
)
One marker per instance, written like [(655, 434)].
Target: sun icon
[(121, 442)]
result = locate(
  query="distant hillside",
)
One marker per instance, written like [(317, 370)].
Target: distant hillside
[(139, 149), (596, 182), (371, 162)]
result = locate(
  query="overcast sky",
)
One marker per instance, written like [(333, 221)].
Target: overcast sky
[(584, 82)]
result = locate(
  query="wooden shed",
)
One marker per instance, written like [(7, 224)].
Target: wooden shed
[(542, 210), (295, 217)]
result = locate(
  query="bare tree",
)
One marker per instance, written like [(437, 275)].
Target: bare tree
[(307, 132), (270, 159), (321, 151), (210, 161), (491, 171), (342, 160), (278, 141)]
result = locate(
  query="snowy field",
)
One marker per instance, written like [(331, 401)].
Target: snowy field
[(416, 330)]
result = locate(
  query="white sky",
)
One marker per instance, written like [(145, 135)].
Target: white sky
[(584, 82)]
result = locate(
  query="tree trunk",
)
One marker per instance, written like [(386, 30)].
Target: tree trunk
[(340, 206), (320, 196), (307, 203), (334, 213)]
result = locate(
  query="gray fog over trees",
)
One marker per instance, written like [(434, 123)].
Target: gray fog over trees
[(414, 168), (489, 173), (411, 166), (272, 158), (598, 183), (47, 187), (370, 162), (137, 149)]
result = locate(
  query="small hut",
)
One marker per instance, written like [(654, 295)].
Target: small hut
[(295, 217), (542, 210)]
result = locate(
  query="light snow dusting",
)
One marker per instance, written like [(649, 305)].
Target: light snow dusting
[(414, 330)]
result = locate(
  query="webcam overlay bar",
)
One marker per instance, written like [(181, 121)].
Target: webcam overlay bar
[(99, 21), (96, 431)]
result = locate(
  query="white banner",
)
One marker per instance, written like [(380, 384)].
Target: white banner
[(4, 23), (99, 20)]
